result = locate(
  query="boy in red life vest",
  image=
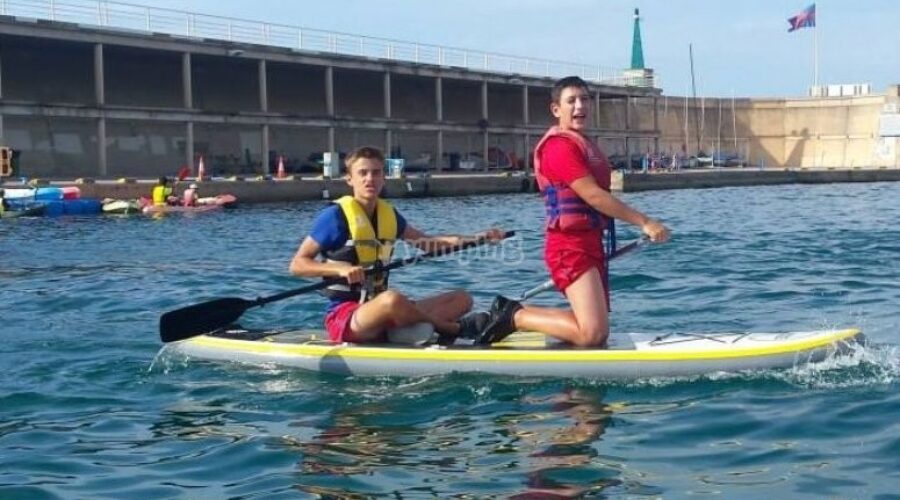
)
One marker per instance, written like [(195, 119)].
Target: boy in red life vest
[(574, 179), (359, 231)]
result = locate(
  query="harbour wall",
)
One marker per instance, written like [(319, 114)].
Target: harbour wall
[(306, 189), (746, 177), (799, 132)]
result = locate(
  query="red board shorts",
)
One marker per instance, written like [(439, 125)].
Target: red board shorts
[(567, 265), (338, 322)]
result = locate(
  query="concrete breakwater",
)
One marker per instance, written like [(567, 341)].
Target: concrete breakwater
[(265, 191), (305, 189), (700, 179)]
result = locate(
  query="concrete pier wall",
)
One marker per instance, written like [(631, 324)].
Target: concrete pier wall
[(307, 189), (268, 191), (738, 178)]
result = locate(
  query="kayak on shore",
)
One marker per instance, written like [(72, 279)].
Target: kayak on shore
[(23, 210)]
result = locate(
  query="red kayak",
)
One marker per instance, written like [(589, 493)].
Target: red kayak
[(204, 205)]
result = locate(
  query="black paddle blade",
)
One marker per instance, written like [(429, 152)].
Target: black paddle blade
[(202, 318)]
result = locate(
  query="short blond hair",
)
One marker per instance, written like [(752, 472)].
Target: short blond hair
[(364, 152)]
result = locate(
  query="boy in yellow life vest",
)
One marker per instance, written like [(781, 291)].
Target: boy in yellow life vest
[(359, 231)]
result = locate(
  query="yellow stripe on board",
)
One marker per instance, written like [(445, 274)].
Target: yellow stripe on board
[(319, 350)]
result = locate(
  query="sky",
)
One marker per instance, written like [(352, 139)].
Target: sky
[(741, 47)]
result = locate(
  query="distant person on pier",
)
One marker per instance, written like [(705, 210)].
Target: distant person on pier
[(358, 232), (573, 175), (162, 193)]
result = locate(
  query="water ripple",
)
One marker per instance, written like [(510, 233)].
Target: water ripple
[(89, 410)]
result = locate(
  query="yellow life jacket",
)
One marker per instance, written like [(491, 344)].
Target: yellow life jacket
[(365, 248), (161, 194)]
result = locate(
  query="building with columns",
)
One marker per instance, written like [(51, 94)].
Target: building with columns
[(93, 99)]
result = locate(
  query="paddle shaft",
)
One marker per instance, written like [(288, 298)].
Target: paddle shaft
[(393, 265), (212, 315), (547, 285)]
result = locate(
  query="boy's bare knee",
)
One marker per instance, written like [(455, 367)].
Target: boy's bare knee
[(463, 299), (592, 337)]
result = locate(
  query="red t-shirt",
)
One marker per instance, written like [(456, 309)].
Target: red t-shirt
[(562, 162)]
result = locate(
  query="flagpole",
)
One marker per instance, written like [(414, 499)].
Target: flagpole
[(816, 80), (816, 48)]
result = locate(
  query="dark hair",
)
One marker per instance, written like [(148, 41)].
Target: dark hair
[(163, 180), (564, 83), (365, 152)]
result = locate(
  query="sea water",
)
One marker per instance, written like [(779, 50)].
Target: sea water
[(90, 408)]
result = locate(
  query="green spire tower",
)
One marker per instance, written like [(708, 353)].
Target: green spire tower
[(637, 49)]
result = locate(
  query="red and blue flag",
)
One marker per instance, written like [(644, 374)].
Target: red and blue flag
[(805, 19)]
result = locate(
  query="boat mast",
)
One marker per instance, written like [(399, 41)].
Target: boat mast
[(694, 92)]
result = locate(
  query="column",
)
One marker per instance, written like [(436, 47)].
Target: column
[(484, 116), (189, 146), (99, 94), (439, 151), (525, 117), (484, 148), (266, 168), (528, 158), (101, 147), (329, 110), (100, 98), (263, 87), (484, 100), (439, 98), (329, 91), (388, 144), (187, 89), (387, 94)]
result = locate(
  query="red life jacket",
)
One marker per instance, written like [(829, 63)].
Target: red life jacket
[(566, 211)]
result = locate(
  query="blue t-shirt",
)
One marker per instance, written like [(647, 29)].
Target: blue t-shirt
[(331, 232)]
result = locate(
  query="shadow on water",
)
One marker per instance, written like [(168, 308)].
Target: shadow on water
[(443, 436)]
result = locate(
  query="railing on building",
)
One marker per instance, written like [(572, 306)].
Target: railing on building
[(148, 19)]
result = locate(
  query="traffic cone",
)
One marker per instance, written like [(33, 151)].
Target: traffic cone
[(201, 170), (280, 174)]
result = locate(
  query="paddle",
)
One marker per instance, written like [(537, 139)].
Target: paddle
[(547, 285), (209, 316)]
